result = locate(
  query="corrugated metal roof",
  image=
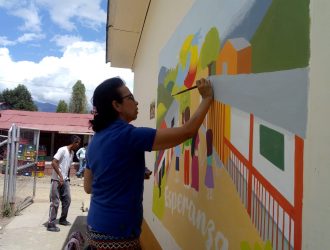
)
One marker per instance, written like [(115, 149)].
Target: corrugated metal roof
[(46, 121)]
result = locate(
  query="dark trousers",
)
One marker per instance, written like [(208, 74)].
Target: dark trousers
[(59, 193)]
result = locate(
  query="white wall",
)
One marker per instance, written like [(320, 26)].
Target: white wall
[(316, 204), (316, 201), (161, 22)]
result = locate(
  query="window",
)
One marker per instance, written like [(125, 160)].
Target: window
[(272, 146)]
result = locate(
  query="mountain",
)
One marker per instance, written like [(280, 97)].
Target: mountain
[(45, 106)]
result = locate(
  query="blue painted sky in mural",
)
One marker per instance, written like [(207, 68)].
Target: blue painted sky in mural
[(232, 18)]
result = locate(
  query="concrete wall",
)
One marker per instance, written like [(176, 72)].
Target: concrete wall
[(161, 22), (316, 202), (157, 31)]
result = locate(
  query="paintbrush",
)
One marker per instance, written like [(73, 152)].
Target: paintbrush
[(182, 91)]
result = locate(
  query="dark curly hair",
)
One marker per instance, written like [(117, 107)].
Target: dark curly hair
[(104, 94)]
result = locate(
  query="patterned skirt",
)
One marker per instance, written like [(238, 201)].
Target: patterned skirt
[(100, 241)]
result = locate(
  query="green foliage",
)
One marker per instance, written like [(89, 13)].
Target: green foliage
[(78, 101), (169, 81), (18, 99), (62, 107), (246, 246), (282, 39), (166, 99), (210, 48)]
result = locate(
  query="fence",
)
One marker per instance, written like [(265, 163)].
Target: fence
[(3, 150), (19, 168), (275, 218)]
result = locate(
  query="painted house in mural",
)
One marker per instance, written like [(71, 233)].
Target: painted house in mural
[(253, 176), (235, 57)]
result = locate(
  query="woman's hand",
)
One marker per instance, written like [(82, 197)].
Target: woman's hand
[(205, 88), (170, 137)]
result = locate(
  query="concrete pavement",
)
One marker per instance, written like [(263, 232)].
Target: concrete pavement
[(27, 230)]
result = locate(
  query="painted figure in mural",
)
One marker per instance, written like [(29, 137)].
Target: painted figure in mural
[(115, 162), (81, 155), (195, 163), (186, 152), (160, 177), (60, 183), (169, 155), (177, 152), (209, 181)]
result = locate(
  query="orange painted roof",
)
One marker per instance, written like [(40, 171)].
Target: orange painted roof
[(47, 121)]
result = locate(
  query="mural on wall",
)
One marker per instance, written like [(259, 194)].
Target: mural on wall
[(237, 184), (152, 110)]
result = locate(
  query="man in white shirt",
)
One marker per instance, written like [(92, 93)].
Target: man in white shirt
[(60, 183)]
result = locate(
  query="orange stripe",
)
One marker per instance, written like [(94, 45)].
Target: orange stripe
[(251, 138), (277, 222), (290, 232), (283, 228), (298, 190), (273, 219), (250, 161), (222, 130)]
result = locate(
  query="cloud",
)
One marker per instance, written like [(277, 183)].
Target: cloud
[(51, 79), (9, 3), (65, 40), (27, 37), (5, 42), (63, 13), (87, 12), (29, 14), (30, 37)]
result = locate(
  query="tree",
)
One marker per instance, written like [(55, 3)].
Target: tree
[(62, 107), (18, 98), (210, 50), (78, 101)]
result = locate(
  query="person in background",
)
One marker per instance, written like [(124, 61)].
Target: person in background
[(81, 155), (115, 168), (60, 183)]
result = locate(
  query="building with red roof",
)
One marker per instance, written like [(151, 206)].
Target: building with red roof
[(55, 128)]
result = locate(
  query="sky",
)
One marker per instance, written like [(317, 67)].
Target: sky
[(48, 45)]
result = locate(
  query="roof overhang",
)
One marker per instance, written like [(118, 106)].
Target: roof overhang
[(125, 23)]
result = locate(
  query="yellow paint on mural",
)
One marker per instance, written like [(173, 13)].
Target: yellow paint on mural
[(227, 131), (158, 203), (195, 221), (185, 50), (161, 109)]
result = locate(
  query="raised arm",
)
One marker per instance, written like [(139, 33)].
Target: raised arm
[(170, 137), (88, 179)]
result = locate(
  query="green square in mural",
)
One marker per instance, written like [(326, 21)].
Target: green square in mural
[(272, 146)]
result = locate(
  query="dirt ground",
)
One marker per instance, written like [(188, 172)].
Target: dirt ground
[(24, 189)]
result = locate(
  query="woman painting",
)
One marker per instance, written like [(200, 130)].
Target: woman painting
[(114, 174)]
